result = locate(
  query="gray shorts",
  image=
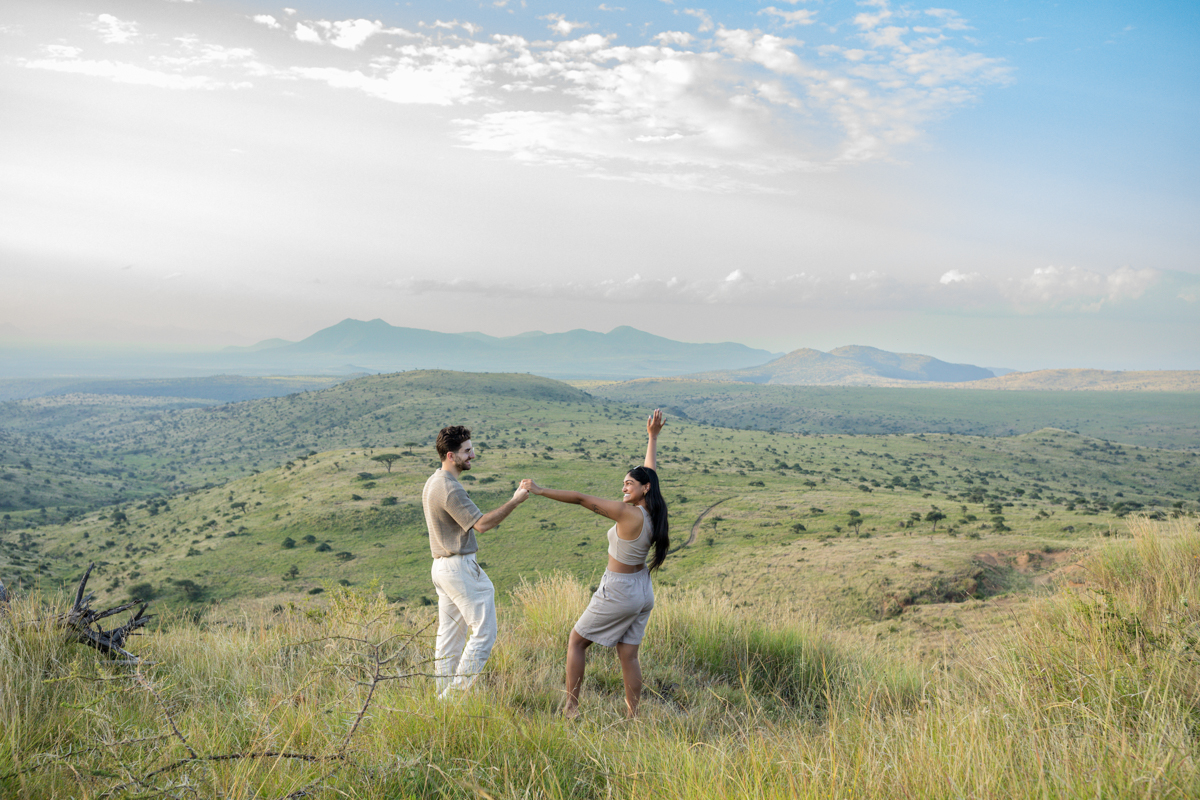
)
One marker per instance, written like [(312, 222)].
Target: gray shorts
[(619, 610)]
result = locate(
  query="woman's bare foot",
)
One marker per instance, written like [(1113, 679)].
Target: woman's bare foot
[(570, 711)]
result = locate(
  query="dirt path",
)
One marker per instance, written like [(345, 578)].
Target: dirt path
[(696, 525)]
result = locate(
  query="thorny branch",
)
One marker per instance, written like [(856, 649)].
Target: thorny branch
[(378, 659), (378, 662)]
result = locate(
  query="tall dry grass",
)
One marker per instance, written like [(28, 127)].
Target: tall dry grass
[(1095, 696)]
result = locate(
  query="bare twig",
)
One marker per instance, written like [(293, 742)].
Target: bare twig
[(368, 664), (141, 679)]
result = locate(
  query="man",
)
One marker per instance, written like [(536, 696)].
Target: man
[(466, 597)]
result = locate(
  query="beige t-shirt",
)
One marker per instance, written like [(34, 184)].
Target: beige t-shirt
[(450, 516)]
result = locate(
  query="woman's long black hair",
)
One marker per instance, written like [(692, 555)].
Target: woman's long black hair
[(656, 507)]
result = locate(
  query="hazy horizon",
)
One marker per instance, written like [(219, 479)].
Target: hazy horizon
[(1012, 186)]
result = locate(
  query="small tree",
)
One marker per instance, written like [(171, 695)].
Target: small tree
[(387, 459), (935, 516), (855, 519)]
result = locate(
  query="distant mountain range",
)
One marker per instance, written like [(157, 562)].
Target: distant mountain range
[(356, 346), (850, 366)]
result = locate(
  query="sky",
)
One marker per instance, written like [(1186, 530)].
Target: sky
[(1010, 183)]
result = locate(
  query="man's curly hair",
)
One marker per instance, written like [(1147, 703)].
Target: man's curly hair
[(450, 439)]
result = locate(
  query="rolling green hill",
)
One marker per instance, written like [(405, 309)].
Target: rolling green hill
[(768, 516), (1153, 419), (69, 453), (937, 550)]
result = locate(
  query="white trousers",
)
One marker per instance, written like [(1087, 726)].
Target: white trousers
[(466, 599)]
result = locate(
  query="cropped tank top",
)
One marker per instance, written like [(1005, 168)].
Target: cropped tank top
[(631, 552)]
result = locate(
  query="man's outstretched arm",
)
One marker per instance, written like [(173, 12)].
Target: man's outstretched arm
[(493, 518)]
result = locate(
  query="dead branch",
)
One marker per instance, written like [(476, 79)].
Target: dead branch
[(381, 661), (84, 621)]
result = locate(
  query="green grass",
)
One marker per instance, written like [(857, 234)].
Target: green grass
[(1092, 693), (71, 454), (1018, 510), (1148, 419)]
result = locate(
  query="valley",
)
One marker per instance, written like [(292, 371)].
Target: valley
[(279, 499)]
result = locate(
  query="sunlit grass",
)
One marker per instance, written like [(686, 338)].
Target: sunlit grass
[(1093, 694)]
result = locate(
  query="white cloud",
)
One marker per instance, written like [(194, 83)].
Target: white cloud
[(802, 16), (62, 51), (350, 34), (950, 19), (706, 23), (433, 84), (724, 109), (957, 276), (449, 26), (1128, 283), (1081, 289), (738, 288), (307, 34), (674, 37), (113, 30), (124, 73), (1050, 289), (560, 25)]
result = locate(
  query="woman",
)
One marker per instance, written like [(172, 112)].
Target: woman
[(620, 608)]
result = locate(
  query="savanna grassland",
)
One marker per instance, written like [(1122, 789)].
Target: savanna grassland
[(1165, 419), (1092, 694), (839, 617)]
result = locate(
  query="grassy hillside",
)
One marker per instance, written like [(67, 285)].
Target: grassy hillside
[(974, 522), (210, 389), (71, 453), (1091, 693), (1095, 380), (842, 616), (1153, 419)]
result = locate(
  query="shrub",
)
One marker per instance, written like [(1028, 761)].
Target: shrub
[(142, 591)]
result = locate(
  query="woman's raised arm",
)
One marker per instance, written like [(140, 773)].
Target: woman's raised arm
[(653, 425)]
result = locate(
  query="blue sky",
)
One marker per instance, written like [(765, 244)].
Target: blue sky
[(1007, 183)]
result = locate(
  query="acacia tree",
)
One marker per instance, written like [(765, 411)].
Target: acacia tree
[(386, 458), (935, 516), (855, 520)]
